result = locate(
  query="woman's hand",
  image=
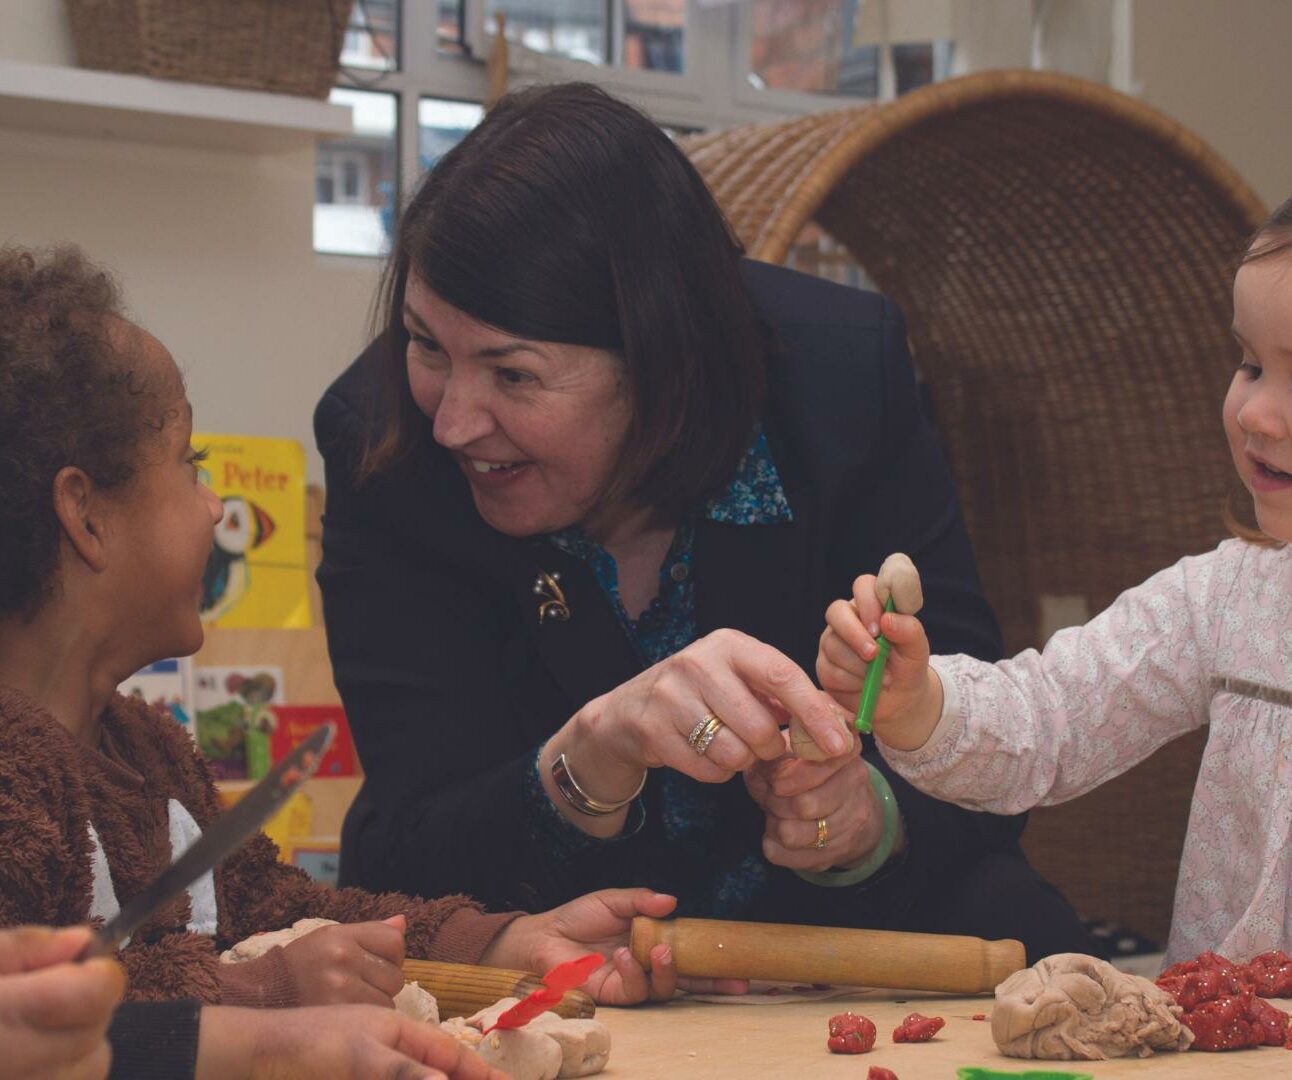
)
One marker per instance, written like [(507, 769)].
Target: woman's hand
[(54, 1012), (351, 964), (795, 795), (653, 719), (348, 1042), (910, 702), (600, 922)]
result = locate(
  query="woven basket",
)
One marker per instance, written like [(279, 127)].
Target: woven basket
[(284, 46), (1063, 255)]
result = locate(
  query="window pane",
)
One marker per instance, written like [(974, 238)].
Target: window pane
[(920, 64), (355, 178), (574, 29), (448, 26), (441, 125), (814, 251), (351, 172), (372, 36), (812, 45), (654, 32)]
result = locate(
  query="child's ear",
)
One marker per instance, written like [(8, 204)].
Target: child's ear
[(75, 505)]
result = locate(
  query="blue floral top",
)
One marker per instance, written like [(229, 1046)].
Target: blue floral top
[(755, 496)]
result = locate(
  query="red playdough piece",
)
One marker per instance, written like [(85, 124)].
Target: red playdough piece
[(878, 1072), (850, 1034), (917, 1028), (1221, 1003), (1271, 974), (978, 1016), (1236, 1021)]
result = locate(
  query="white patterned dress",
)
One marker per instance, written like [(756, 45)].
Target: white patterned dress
[(1045, 727)]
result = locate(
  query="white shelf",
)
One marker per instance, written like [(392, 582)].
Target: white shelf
[(73, 101)]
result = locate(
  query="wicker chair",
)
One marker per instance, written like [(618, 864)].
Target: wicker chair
[(1062, 254)]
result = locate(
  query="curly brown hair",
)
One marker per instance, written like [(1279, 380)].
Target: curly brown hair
[(69, 396)]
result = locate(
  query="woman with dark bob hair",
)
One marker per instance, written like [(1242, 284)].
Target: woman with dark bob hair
[(589, 494)]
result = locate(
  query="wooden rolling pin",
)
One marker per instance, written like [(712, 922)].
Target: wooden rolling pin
[(463, 989), (808, 954)]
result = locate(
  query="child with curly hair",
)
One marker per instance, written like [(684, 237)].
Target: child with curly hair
[(105, 527)]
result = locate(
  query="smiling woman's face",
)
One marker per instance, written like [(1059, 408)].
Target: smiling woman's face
[(535, 427)]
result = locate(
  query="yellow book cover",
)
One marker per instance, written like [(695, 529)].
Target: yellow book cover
[(257, 575)]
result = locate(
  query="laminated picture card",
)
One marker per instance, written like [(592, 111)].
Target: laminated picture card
[(257, 575), (234, 718), (167, 684)]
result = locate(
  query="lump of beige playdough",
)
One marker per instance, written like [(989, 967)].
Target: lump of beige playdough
[(1072, 1006), (417, 1004), (458, 1027), (522, 1054), (584, 1045), (259, 944), (488, 1016), (899, 579)]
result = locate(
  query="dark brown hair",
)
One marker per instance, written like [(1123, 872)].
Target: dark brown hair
[(66, 398), (569, 216), (1271, 239)]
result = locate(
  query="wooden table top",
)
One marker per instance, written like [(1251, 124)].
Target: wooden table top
[(682, 1039)]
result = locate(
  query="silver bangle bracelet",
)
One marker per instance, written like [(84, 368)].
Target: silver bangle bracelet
[(580, 799)]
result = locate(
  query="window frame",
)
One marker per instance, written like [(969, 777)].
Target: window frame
[(708, 94)]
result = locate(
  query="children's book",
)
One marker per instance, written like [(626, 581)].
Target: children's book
[(319, 857), (296, 722), (167, 684), (257, 575), (233, 720)]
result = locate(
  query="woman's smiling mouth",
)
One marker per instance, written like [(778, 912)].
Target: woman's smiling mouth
[(480, 469)]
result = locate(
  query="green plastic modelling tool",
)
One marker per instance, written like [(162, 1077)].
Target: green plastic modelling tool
[(874, 680)]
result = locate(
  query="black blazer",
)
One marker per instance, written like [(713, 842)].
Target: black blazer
[(451, 683)]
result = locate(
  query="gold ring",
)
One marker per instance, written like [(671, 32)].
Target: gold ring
[(703, 733), (822, 834)]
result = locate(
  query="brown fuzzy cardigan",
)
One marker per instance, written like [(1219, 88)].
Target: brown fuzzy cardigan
[(54, 787)]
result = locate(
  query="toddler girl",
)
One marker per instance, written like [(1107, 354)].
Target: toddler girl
[(1207, 641)]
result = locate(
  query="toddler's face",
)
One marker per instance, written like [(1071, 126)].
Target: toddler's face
[(163, 524), (1258, 407)]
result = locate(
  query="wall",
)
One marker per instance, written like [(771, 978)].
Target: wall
[(213, 248), (1224, 69), (990, 34)]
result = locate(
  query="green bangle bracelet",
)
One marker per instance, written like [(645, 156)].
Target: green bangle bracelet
[(835, 879)]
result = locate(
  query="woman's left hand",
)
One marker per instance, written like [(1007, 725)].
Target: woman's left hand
[(796, 795), (600, 922)]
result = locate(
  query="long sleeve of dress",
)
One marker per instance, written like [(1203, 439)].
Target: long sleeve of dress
[(1045, 727)]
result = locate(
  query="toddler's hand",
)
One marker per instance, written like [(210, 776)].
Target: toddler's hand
[(911, 698), (352, 964)]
